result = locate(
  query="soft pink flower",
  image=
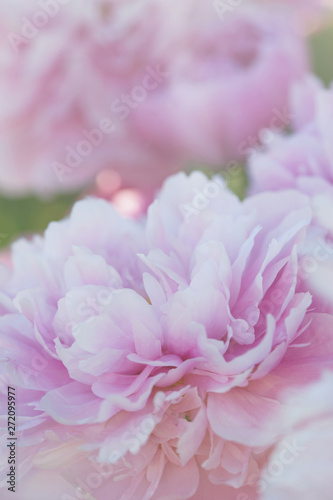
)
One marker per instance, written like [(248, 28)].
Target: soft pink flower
[(301, 465), (159, 348), (61, 128), (230, 78), (178, 83), (304, 160)]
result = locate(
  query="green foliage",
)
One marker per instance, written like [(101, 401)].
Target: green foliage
[(30, 215)]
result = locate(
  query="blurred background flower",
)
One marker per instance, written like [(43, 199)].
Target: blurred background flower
[(110, 98)]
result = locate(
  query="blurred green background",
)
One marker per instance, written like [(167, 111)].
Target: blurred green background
[(25, 215)]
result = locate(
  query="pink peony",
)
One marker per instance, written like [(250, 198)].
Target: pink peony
[(101, 85), (307, 472), (150, 358), (304, 161), (219, 97), (67, 77)]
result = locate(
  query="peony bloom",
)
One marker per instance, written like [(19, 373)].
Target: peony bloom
[(303, 160), (307, 473), (68, 66), (218, 98), (149, 358), (140, 92)]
